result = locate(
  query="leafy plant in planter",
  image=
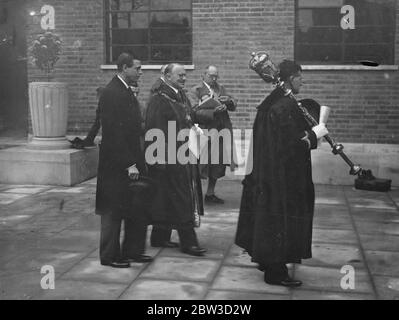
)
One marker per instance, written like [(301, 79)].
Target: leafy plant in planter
[(48, 101), (45, 52)]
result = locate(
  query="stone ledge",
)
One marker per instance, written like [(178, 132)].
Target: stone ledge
[(20, 165), (382, 159)]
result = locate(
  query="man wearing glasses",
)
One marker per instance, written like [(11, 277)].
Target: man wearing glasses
[(211, 104)]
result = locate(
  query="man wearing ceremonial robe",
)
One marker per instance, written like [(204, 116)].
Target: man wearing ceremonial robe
[(276, 211), (179, 200)]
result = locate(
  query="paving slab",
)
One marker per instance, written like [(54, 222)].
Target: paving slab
[(8, 198), (387, 287), (9, 251), (147, 289), (90, 269), (383, 263), (71, 240), (215, 216), (329, 279), (12, 220), (239, 257), (50, 224), (375, 215), (208, 229), (82, 290), (89, 222), (324, 200), (379, 242), (28, 189), (182, 268), (337, 255), (377, 227), (361, 199), (20, 286), (234, 295), (334, 236), (300, 294), (329, 194), (325, 210), (216, 248), (245, 279), (342, 222), (35, 259)]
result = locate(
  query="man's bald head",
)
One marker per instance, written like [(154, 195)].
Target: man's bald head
[(211, 69), (211, 75)]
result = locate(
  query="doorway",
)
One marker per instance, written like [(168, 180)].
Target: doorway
[(14, 101)]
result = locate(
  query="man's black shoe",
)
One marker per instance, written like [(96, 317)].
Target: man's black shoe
[(287, 282), (194, 251), (213, 199), (116, 264), (166, 244), (141, 258)]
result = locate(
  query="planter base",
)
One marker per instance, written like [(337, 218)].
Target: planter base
[(22, 165), (59, 143)]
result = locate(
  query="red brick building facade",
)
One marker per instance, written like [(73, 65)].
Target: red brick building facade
[(364, 100)]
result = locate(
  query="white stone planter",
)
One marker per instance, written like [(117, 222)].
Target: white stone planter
[(48, 103)]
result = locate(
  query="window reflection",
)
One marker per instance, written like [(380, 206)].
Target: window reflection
[(155, 30), (320, 38)]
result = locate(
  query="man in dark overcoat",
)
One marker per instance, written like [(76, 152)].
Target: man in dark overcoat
[(178, 202), (121, 160), (277, 204), (218, 124)]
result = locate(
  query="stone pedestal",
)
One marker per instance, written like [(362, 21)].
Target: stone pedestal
[(22, 165), (48, 103), (60, 143)]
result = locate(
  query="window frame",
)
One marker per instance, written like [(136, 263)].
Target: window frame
[(148, 62), (340, 65)]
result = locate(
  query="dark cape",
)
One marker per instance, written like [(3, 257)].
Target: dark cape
[(179, 186), (277, 204)]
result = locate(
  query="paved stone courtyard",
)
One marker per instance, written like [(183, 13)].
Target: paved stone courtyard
[(47, 225)]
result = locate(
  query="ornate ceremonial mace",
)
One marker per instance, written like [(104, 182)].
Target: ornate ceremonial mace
[(268, 71)]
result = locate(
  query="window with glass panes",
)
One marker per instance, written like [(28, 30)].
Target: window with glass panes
[(320, 39), (155, 31)]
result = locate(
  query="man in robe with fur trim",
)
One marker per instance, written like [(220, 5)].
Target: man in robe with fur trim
[(178, 202)]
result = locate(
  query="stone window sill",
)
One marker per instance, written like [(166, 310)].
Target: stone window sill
[(351, 67), (145, 67)]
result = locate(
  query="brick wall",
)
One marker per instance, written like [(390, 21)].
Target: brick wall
[(365, 104)]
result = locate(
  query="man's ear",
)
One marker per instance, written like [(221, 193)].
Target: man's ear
[(289, 80)]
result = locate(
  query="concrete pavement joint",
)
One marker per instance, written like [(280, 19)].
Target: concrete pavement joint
[(362, 251), (138, 275), (219, 268)]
